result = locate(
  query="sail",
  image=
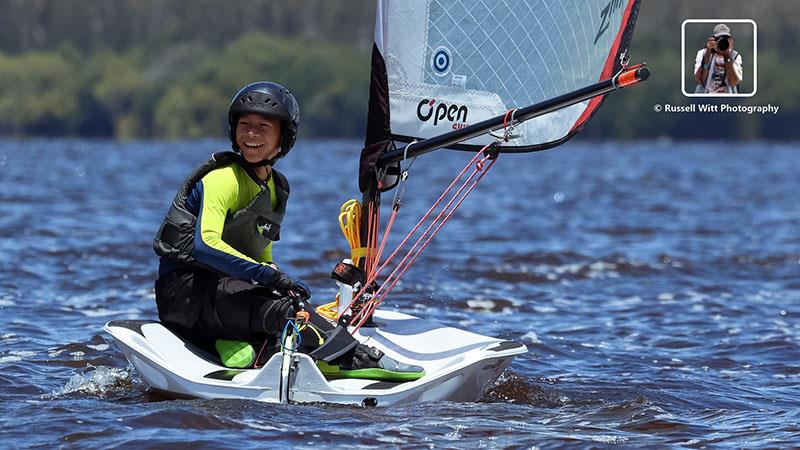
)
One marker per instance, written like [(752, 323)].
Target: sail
[(441, 65)]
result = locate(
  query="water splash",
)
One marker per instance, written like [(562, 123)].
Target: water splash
[(98, 382)]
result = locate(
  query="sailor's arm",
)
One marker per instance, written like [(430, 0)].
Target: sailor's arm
[(266, 255)]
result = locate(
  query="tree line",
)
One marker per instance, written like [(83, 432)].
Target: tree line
[(167, 68), (181, 92), (120, 25)]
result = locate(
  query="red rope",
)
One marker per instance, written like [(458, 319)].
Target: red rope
[(505, 119), (510, 113), (433, 223), (372, 276), (258, 356), (431, 209), (374, 236), (373, 219), (385, 238), (369, 237), (431, 236), (387, 287), (444, 215)]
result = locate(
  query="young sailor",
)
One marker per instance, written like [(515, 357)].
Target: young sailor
[(217, 283)]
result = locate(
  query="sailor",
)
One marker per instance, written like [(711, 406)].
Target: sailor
[(218, 285)]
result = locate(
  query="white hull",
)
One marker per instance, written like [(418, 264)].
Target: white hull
[(459, 365)]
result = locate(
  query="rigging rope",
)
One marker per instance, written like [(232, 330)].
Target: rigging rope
[(489, 152), (373, 221), (350, 223)]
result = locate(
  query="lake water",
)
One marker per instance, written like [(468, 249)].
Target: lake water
[(656, 285)]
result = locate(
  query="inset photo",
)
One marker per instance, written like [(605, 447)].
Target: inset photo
[(719, 58)]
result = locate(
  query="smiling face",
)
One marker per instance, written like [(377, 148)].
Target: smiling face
[(258, 137)]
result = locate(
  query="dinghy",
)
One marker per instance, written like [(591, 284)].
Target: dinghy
[(459, 365), (486, 77)]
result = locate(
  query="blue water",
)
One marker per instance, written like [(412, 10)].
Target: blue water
[(657, 286)]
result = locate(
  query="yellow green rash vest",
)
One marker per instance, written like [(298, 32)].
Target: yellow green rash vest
[(222, 219)]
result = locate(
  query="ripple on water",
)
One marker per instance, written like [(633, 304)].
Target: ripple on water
[(561, 268), (653, 317), (512, 387)]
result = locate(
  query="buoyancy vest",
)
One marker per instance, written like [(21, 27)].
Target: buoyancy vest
[(248, 230)]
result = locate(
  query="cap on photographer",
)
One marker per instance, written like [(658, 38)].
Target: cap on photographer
[(718, 67)]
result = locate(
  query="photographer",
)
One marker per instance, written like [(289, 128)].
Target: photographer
[(717, 67)]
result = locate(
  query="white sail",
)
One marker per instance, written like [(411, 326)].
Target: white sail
[(449, 64)]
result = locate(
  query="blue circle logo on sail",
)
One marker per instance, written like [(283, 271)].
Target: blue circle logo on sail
[(440, 61)]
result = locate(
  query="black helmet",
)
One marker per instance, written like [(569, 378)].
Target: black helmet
[(269, 99)]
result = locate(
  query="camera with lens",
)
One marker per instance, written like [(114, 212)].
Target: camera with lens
[(723, 42)]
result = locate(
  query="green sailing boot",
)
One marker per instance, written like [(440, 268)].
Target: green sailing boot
[(370, 364), (235, 354)]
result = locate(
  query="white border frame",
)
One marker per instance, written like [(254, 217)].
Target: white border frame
[(715, 21)]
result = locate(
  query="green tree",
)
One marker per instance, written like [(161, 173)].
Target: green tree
[(38, 93), (116, 82), (191, 111), (329, 81)]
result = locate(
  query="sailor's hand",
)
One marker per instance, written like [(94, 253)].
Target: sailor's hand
[(727, 53), (301, 288), (284, 282)]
